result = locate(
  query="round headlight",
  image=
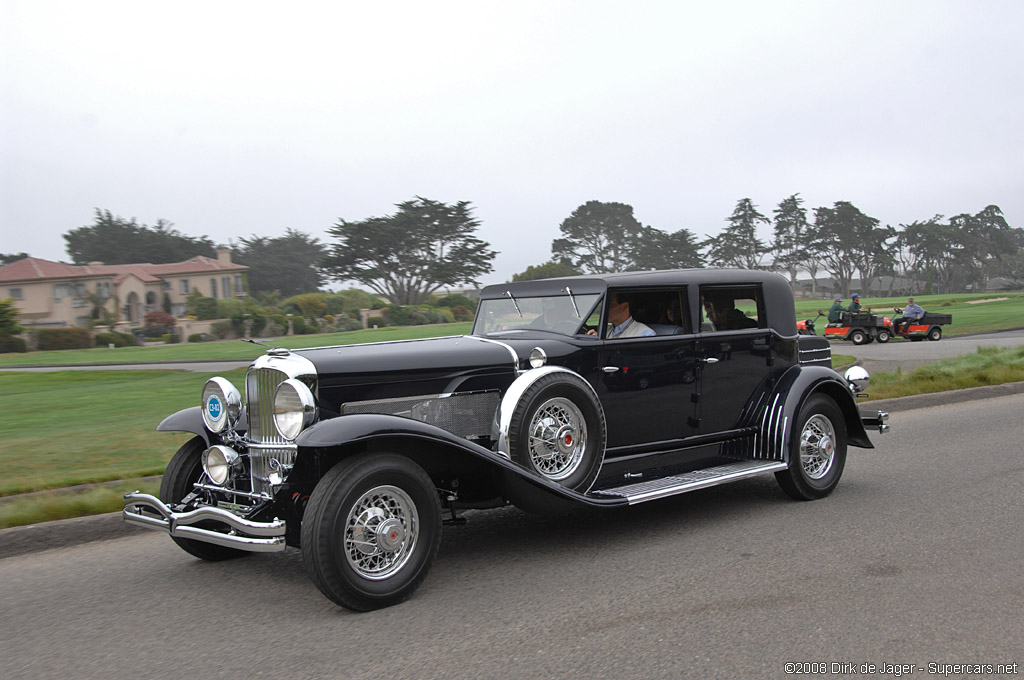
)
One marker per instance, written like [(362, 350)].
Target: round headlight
[(294, 408), (538, 357), (217, 462), (222, 404)]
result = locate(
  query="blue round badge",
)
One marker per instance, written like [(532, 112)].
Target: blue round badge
[(214, 407)]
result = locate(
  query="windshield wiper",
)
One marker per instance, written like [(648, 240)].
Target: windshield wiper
[(512, 298), (573, 298)]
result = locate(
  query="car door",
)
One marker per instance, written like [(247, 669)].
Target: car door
[(736, 351), (647, 384)]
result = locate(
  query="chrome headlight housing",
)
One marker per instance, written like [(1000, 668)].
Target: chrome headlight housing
[(217, 462), (222, 404), (294, 408)]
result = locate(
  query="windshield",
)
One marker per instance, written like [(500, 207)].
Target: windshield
[(552, 313)]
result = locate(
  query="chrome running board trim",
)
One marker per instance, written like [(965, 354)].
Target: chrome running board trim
[(691, 481), (245, 534)]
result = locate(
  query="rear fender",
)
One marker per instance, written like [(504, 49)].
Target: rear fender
[(793, 390)]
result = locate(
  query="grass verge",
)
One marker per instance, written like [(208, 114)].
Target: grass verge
[(45, 507), (988, 366)]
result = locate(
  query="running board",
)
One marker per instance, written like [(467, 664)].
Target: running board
[(691, 481)]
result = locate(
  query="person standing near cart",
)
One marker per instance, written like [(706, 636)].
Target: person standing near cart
[(912, 313)]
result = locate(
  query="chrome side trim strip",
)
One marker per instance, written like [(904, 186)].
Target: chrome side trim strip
[(691, 481), (245, 534)]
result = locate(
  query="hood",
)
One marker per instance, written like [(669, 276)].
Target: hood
[(388, 370)]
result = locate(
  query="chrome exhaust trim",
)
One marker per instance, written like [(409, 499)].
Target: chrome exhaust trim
[(245, 534)]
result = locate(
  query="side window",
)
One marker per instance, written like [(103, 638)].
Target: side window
[(730, 308), (645, 313)]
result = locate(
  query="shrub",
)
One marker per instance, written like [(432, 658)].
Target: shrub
[(197, 337), (201, 307), (115, 339), (452, 301), (10, 343), (64, 338), (376, 321), (462, 314), (171, 338), (221, 329), (160, 319), (301, 327), (344, 323), (155, 331)]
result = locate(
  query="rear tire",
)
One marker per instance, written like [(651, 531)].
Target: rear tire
[(883, 336), (817, 455), (858, 337), (184, 470), (934, 333)]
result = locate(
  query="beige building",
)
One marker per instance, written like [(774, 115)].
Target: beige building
[(54, 295)]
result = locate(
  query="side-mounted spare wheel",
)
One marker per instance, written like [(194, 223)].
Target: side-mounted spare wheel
[(184, 470), (817, 454), (558, 431), (371, 531)]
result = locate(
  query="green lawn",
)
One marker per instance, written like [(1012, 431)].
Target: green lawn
[(227, 349)]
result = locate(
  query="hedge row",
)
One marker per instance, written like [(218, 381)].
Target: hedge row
[(64, 338)]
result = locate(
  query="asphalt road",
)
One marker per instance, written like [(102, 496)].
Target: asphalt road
[(909, 355), (915, 559)]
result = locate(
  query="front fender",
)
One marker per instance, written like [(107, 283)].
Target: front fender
[(364, 427), (186, 420), (799, 383)]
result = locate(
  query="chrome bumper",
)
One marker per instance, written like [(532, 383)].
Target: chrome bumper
[(875, 419), (244, 535)]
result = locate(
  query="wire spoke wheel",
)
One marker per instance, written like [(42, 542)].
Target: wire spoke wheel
[(557, 438), (381, 532), (817, 446)]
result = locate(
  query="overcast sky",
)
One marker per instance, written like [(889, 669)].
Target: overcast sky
[(238, 118)]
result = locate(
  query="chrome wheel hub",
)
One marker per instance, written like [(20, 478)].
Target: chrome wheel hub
[(381, 532), (817, 446), (557, 438)]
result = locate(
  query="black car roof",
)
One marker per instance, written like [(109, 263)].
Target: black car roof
[(598, 283)]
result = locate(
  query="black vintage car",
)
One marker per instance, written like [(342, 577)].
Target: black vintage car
[(598, 390)]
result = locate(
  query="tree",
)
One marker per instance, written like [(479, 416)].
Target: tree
[(981, 238), (549, 270), (9, 317), (791, 236), (289, 264), (406, 256), (6, 258), (114, 240), (845, 237), (599, 237), (738, 245), (657, 249)]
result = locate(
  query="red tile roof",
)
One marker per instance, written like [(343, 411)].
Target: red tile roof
[(34, 269)]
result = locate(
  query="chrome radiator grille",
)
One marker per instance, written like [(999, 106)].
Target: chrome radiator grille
[(270, 456)]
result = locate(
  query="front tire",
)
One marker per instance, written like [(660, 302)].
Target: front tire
[(817, 455), (184, 470), (371, 531)]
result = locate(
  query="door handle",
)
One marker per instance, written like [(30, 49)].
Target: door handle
[(610, 369), (709, 360)]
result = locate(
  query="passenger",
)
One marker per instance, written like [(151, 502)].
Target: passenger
[(723, 313), (835, 310), (912, 313), (855, 304)]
